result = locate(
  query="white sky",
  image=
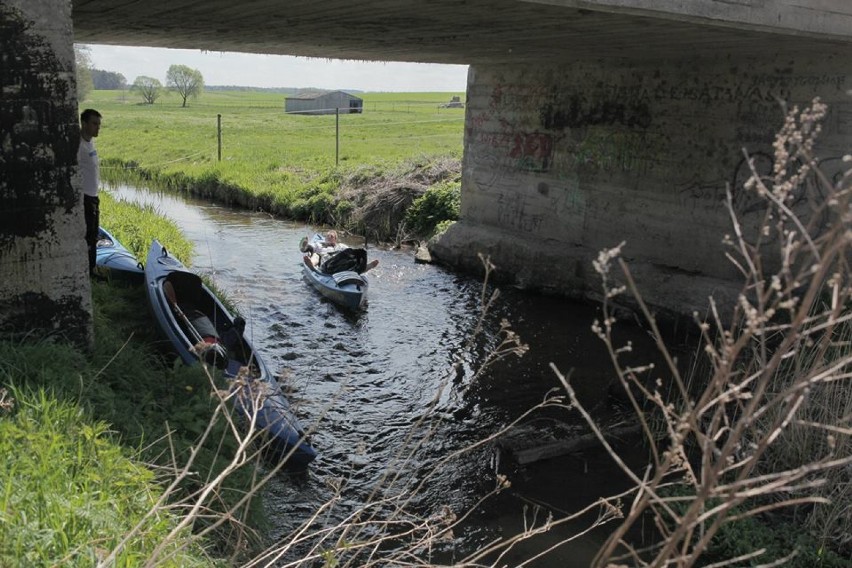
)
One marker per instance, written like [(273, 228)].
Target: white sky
[(227, 68)]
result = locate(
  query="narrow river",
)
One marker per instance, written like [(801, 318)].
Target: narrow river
[(367, 384)]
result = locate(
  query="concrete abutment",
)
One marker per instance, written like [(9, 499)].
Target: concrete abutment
[(563, 161), (44, 288)]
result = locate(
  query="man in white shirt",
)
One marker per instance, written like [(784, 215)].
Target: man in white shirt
[(87, 158)]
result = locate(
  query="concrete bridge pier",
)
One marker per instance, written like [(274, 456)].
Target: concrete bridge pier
[(562, 160), (44, 287)]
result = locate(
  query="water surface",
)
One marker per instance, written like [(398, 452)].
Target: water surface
[(392, 391)]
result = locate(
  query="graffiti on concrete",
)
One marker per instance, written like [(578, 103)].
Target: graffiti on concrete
[(579, 111), (512, 213), (610, 151), (843, 120), (746, 201), (626, 131), (490, 166), (564, 199), (533, 151), (789, 81)]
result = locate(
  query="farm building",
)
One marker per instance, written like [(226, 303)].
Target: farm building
[(323, 103), (455, 102)]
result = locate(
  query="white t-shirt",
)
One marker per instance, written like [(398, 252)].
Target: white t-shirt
[(324, 250), (87, 158)]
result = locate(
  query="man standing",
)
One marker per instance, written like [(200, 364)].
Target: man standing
[(87, 158)]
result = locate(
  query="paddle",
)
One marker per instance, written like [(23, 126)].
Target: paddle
[(169, 292)]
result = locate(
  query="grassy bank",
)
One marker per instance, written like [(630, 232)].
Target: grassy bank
[(71, 493), (292, 165), (93, 440)]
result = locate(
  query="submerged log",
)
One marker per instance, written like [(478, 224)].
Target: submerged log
[(525, 450)]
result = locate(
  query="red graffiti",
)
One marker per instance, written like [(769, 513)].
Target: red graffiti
[(534, 150)]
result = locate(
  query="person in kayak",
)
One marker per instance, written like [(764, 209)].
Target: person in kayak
[(320, 253)]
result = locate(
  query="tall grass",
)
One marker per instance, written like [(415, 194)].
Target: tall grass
[(157, 408), (135, 226), (151, 401), (70, 493)]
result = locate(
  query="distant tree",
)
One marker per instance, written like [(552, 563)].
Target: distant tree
[(148, 87), (108, 80), (83, 58), (185, 81)]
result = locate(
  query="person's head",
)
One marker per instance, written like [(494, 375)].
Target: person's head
[(331, 237), (90, 123)]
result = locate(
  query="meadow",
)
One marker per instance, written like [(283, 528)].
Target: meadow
[(265, 150)]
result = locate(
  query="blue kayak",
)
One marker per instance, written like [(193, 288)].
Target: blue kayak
[(115, 260), (188, 313), (347, 289)]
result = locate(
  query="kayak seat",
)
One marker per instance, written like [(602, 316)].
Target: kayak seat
[(347, 277)]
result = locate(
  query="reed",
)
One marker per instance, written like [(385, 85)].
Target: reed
[(765, 436)]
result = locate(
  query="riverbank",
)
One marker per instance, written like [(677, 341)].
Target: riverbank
[(358, 172), (405, 204), (96, 445)]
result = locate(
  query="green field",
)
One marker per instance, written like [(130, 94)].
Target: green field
[(264, 150)]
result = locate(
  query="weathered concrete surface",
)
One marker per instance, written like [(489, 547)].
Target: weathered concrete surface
[(43, 288), (817, 18), (471, 32), (563, 161)]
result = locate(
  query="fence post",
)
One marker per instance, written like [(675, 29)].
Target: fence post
[(337, 136), (219, 134)]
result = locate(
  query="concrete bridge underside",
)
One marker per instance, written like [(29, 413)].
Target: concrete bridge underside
[(471, 32), (588, 122)]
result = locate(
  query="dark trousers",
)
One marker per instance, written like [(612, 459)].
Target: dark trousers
[(92, 213)]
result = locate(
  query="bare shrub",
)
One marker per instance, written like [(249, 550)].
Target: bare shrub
[(769, 427), (380, 202)]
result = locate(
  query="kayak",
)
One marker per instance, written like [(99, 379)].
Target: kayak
[(115, 260), (189, 314), (347, 288)]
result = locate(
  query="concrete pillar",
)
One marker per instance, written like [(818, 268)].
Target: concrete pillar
[(44, 287), (562, 161)]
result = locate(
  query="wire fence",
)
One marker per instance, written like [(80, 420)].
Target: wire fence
[(333, 124)]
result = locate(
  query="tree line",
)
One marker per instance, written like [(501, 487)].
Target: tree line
[(181, 79)]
